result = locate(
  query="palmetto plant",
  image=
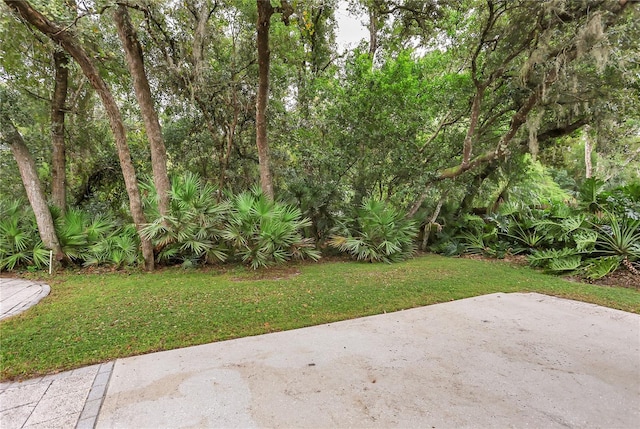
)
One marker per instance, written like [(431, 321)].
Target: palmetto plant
[(79, 235), (262, 232), (19, 241), (191, 232), (70, 229), (118, 248), (378, 233)]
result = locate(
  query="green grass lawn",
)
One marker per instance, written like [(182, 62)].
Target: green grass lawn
[(99, 317)]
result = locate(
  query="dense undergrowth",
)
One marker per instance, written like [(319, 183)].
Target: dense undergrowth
[(590, 235)]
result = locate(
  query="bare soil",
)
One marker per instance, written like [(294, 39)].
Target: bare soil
[(622, 277)]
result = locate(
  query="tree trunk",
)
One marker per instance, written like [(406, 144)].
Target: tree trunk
[(231, 132), (373, 33), (431, 222), (588, 149), (265, 10), (135, 64), (58, 176), (475, 116), (31, 182), (70, 44)]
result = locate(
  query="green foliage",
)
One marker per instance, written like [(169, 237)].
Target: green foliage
[(72, 235), (263, 232), (543, 258), (557, 240), (624, 201), (585, 240), (97, 240), (378, 233), (84, 240), (20, 245), (597, 268), (566, 264), (191, 232), (589, 192), (619, 237), (119, 248)]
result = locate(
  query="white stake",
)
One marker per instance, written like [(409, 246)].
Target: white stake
[(50, 260)]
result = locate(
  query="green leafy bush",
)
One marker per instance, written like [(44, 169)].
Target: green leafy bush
[(20, 245), (624, 201), (589, 193), (119, 248), (191, 232), (262, 232), (378, 233), (618, 241), (597, 268)]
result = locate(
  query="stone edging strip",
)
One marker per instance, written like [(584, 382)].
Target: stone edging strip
[(94, 400)]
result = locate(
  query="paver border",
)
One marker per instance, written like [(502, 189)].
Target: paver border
[(93, 403)]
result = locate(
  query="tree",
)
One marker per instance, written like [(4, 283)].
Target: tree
[(521, 56), (70, 43), (135, 64), (265, 11), (9, 134), (206, 76), (539, 72), (58, 176)]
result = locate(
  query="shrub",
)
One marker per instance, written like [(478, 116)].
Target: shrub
[(621, 238), (20, 245), (191, 232), (263, 232), (378, 233), (119, 248)]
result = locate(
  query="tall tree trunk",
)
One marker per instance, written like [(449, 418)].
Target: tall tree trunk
[(58, 176), (135, 64), (31, 182), (588, 149), (373, 32), (231, 132), (70, 44), (265, 10)]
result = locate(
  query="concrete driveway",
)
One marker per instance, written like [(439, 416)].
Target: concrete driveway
[(495, 361)]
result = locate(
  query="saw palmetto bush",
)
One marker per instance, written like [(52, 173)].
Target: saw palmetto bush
[(78, 232), (20, 245), (191, 232), (263, 232), (378, 233), (96, 240), (118, 248)]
